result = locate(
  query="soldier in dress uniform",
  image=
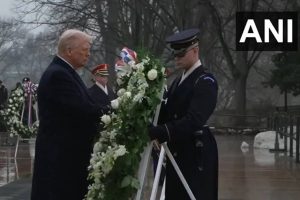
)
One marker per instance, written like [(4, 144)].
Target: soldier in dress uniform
[(3, 101), (3, 95), (101, 93), (190, 101)]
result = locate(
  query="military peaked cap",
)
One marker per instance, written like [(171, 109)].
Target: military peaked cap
[(25, 79), (181, 41), (184, 38), (100, 70)]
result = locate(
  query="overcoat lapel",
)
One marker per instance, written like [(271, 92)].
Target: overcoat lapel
[(75, 75)]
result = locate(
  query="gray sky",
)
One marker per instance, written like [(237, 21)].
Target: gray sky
[(5, 8), (7, 12)]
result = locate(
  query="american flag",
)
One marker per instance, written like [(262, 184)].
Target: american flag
[(128, 55)]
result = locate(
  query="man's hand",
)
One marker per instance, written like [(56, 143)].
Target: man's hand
[(106, 109), (158, 133)]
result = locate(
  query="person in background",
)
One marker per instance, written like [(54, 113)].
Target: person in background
[(191, 100), (3, 95), (68, 123), (18, 85), (100, 91), (3, 101)]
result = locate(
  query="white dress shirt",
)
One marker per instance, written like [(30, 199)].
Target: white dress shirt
[(66, 61), (104, 88), (189, 71)]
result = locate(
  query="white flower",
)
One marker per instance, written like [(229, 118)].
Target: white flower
[(127, 94), (138, 97), (141, 68), (121, 92), (119, 80), (132, 64), (120, 151), (152, 74), (106, 119), (146, 60), (134, 67), (112, 135), (97, 147), (115, 103)]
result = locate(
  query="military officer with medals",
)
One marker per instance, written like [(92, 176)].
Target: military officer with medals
[(191, 99)]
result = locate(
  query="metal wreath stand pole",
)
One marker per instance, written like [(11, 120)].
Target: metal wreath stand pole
[(179, 173), (18, 137), (164, 149), (146, 155)]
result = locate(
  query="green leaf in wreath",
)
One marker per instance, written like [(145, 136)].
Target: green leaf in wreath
[(126, 181)]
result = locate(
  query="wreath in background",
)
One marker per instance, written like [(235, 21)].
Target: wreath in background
[(117, 154), (11, 115)]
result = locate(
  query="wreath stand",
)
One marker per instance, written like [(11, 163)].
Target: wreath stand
[(143, 169), (30, 142), (164, 149), (25, 139), (17, 144)]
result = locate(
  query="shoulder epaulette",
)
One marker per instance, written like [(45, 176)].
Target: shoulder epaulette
[(205, 76), (209, 78)]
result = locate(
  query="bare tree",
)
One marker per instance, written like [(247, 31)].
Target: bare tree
[(238, 63), (115, 23), (8, 41), (144, 23)]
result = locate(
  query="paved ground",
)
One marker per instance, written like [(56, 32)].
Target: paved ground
[(17, 190), (15, 174), (255, 174), (249, 175)]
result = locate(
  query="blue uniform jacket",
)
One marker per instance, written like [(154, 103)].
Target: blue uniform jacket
[(189, 106)]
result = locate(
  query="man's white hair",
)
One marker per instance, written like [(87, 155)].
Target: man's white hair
[(70, 39)]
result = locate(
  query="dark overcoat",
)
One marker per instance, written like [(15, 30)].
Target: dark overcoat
[(100, 97), (3, 96), (188, 107), (68, 119)]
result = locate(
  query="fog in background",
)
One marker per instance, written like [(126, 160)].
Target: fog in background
[(28, 41)]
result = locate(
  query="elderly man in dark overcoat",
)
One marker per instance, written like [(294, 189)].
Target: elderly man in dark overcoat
[(68, 120), (191, 99)]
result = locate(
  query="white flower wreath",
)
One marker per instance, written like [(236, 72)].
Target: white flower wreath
[(12, 116), (116, 156)]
